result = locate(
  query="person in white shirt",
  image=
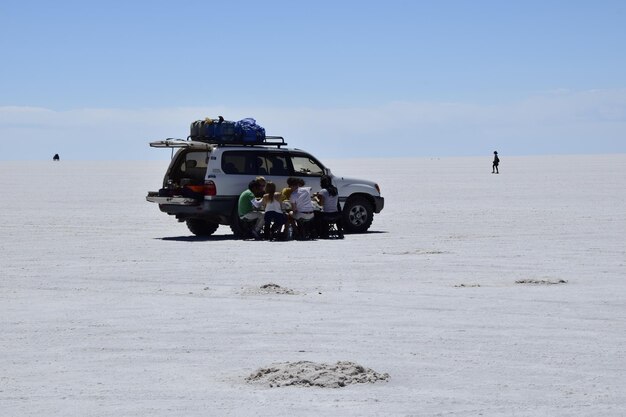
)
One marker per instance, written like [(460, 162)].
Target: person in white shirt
[(300, 199), (302, 207)]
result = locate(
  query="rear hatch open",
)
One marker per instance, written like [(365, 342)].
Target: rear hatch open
[(184, 182)]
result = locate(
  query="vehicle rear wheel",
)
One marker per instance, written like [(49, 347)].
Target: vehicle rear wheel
[(201, 227), (358, 215)]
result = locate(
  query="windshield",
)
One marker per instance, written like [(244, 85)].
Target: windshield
[(305, 165)]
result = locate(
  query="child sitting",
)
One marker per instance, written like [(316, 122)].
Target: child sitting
[(274, 216)]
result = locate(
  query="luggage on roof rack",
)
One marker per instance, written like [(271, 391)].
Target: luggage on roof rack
[(220, 131), (250, 131)]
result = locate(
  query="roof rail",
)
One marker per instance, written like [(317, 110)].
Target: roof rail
[(277, 141)]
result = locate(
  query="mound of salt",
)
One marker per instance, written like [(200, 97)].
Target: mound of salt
[(275, 289), (541, 281), (270, 288), (311, 374)]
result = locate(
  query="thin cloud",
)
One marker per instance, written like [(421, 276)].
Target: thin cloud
[(555, 122)]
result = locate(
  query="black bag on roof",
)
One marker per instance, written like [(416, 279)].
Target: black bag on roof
[(218, 131)]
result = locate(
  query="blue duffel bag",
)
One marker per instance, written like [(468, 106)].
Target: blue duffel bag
[(249, 132)]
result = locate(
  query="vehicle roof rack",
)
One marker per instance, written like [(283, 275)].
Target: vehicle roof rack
[(277, 141)]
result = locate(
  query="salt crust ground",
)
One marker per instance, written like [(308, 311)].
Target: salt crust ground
[(110, 308)]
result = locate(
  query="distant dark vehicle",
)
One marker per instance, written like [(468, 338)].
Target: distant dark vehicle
[(56, 157)]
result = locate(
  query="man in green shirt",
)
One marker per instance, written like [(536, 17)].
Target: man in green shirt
[(249, 208)]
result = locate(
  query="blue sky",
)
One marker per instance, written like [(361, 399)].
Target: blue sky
[(98, 80)]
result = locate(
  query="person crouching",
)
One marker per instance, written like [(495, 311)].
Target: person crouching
[(249, 207)]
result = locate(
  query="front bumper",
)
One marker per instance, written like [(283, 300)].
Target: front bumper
[(379, 204)]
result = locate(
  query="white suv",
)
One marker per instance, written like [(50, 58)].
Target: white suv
[(204, 180)]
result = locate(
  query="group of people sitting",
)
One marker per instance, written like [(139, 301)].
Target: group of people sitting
[(275, 213)]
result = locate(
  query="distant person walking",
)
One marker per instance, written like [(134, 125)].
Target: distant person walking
[(496, 162), (56, 157)]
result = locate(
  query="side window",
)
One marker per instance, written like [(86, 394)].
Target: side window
[(277, 165), (234, 162), (305, 165), (258, 164), (195, 160), (193, 165), (244, 162)]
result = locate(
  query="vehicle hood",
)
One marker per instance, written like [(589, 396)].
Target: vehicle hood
[(355, 184)]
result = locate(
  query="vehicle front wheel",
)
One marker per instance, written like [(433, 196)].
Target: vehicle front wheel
[(358, 215), (201, 227)]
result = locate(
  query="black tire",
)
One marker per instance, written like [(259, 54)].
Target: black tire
[(201, 227), (358, 215)]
